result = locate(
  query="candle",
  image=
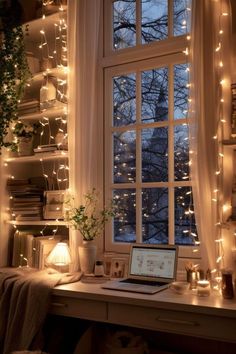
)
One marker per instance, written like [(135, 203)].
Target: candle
[(203, 288)]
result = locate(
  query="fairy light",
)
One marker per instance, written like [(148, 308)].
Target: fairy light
[(218, 137)]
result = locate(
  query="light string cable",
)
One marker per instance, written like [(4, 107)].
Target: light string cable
[(189, 211), (217, 194)]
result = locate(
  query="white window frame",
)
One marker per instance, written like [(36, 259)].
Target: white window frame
[(164, 53)]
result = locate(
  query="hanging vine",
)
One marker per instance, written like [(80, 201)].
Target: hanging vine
[(14, 72)]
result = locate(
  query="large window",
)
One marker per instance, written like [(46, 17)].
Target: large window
[(146, 130)]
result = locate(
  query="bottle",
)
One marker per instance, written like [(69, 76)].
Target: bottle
[(227, 284), (99, 269)]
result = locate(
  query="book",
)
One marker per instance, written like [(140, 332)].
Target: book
[(46, 149)]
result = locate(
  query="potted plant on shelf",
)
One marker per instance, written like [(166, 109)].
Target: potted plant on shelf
[(90, 221), (24, 133)]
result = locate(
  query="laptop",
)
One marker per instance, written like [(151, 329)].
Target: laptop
[(151, 269)]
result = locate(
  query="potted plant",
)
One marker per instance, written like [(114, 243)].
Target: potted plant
[(90, 221), (24, 133)]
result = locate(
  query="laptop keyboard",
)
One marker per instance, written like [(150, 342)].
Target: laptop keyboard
[(142, 282)]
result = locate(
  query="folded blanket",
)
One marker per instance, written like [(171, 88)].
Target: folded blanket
[(24, 301)]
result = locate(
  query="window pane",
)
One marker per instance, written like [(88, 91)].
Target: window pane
[(181, 153), (181, 91), (124, 100), (181, 17), (125, 220), (124, 24), (154, 20), (155, 95), (124, 157), (185, 226), (155, 155), (155, 215)]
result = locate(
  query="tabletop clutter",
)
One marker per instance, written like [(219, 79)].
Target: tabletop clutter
[(203, 283)]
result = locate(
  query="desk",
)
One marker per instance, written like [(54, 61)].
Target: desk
[(208, 317)]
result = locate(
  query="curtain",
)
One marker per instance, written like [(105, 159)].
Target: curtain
[(204, 115), (83, 129)]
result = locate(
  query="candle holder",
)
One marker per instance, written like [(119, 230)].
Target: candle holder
[(203, 288)]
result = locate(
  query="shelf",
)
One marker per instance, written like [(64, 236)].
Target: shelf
[(61, 154), (49, 113), (60, 72), (231, 143), (38, 222)]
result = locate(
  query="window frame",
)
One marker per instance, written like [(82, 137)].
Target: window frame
[(124, 61)]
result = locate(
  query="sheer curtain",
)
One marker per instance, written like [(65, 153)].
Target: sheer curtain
[(84, 18), (203, 118)]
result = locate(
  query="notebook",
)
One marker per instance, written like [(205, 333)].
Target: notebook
[(151, 269)]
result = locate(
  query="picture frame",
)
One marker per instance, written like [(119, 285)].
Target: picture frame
[(119, 267), (54, 204)]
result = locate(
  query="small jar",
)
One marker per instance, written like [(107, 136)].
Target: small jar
[(227, 284), (203, 288), (99, 269)]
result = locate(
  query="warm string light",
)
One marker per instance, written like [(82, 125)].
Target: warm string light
[(218, 137), (189, 211)]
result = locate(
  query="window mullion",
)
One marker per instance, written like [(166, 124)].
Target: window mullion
[(170, 18), (171, 155), (138, 159), (138, 22)]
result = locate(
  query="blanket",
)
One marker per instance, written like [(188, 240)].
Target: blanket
[(24, 302)]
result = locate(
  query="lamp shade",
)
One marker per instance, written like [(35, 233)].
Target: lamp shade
[(60, 255)]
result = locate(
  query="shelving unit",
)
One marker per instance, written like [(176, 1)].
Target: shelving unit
[(47, 43)]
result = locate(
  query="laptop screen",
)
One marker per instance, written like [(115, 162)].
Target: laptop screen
[(153, 261)]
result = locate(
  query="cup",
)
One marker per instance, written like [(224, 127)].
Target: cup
[(203, 288)]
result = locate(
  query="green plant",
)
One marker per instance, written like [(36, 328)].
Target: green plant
[(14, 73), (25, 129), (87, 218)]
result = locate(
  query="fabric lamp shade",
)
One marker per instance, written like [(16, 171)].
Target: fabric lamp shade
[(60, 255)]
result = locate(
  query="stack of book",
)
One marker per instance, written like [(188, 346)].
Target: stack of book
[(31, 248), (28, 106), (233, 109), (26, 200), (45, 148)]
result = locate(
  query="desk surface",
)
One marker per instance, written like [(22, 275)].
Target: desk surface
[(213, 305)]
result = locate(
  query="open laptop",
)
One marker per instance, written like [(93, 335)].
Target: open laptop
[(151, 269)]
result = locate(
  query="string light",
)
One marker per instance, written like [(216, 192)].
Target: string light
[(53, 56)]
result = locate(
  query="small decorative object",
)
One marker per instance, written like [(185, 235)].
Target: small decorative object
[(203, 288), (192, 274), (99, 269), (61, 139), (24, 133), (48, 94), (118, 268), (227, 284), (54, 207), (180, 287), (90, 222)]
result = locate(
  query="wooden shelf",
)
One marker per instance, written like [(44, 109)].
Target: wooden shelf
[(38, 222), (60, 154), (59, 72), (49, 113), (231, 143)]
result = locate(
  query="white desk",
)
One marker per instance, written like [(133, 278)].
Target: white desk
[(207, 317)]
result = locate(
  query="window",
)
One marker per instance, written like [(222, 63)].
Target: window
[(146, 130)]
